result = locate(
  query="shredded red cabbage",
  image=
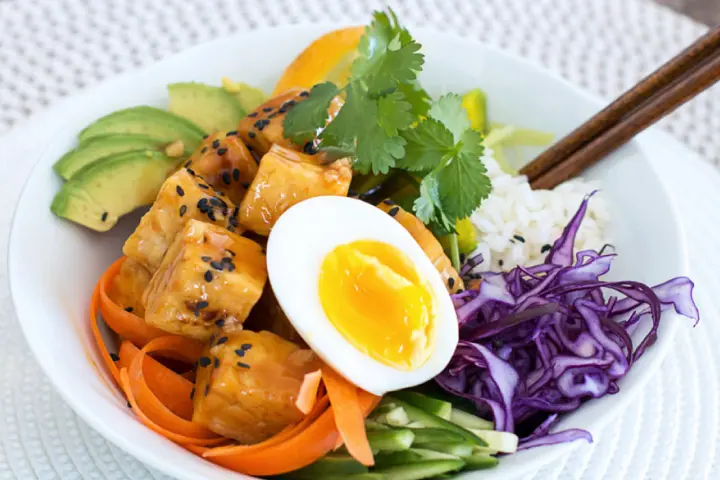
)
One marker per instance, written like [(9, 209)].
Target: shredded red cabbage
[(538, 341)]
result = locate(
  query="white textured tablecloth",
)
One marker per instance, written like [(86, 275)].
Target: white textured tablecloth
[(53, 48)]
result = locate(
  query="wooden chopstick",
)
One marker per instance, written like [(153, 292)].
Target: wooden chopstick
[(692, 71)]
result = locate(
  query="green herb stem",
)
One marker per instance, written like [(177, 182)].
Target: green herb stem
[(454, 251)]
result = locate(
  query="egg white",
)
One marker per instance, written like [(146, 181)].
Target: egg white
[(297, 246)]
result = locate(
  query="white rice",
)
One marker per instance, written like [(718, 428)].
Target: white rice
[(535, 216)]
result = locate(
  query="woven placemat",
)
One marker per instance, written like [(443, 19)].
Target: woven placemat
[(50, 49)]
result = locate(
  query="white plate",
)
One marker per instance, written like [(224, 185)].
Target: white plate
[(54, 265)]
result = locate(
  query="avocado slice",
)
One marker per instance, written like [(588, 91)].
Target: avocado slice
[(152, 122), (249, 97), (103, 191), (99, 147), (211, 108)]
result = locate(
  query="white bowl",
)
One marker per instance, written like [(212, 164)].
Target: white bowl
[(54, 264)]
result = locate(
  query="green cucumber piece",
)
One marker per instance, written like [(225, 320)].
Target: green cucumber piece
[(395, 417), (383, 408), (390, 440), (371, 424), (413, 455), (480, 461), (420, 470), (354, 476), (332, 464), (504, 442), (433, 421), (431, 405), (464, 449), (470, 421), (424, 436)]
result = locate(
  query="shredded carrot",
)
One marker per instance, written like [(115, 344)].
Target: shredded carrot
[(173, 390), (127, 325), (149, 403), (349, 417), (308, 391), (109, 362)]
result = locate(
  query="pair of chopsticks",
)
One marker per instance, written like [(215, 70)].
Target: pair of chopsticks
[(692, 71)]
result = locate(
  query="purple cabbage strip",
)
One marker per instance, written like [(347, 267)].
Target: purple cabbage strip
[(541, 340)]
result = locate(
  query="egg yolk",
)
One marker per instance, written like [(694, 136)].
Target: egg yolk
[(374, 296)]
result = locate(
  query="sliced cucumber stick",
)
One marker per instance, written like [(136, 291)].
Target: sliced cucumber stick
[(464, 449), (480, 461), (390, 440), (395, 417), (333, 464), (420, 470), (431, 405), (412, 455), (470, 421), (424, 436), (504, 442)]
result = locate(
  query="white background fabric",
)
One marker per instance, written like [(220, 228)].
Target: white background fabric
[(50, 49)]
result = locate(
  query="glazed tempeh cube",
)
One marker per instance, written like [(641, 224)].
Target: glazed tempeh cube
[(224, 162), (128, 287), (182, 197), (263, 127), (247, 384), (210, 278), (287, 177)]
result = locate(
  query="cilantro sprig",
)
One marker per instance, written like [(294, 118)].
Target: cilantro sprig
[(388, 123)]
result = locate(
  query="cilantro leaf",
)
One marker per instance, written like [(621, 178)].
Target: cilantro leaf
[(417, 97), (388, 56), (302, 122), (427, 144), (448, 109), (462, 184), (428, 209), (394, 113)]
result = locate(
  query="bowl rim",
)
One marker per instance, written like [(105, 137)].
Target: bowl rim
[(642, 141)]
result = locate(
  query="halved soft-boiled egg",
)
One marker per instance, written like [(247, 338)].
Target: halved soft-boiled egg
[(362, 293)]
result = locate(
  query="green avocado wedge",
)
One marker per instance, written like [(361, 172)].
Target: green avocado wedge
[(102, 192), (211, 108), (99, 147), (163, 126)]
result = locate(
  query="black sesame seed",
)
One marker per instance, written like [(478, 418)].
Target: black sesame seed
[(222, 151), (204, 361), (203, 186), (114, 357), (216, 265), (309, 148), (500, 262), (240, 352), (226, 178), (202, 304), (211, 215), (204, 149), (258, 123), (519, 238), (183, 209), (128, 405), (267, 109), (191, 171), (289, 103), (253, 114), (304, 93), (231, 133), (246, 346), (246, 185), (207, 389), (282, 110), (180, 191), (188, 163), (393, 211), (218, 202), (216, 144), (230, 252), (222, 340), (251, 135), (460, 290), (104, 216), (243, 365), (462, 258), (265, 122), (451, 282), (387, 201), (208, 276), (192, 393), (202, 205), (227, 260), (205, 258), (129, 309), (220, 323), (216, 362), (545, 248)]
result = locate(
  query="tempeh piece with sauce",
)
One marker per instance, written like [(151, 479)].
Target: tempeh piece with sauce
[(182, 197), (263, 127), (224, 162), (247, 384), (210, 278), (128, 287), (428, 243), (287, 177)]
